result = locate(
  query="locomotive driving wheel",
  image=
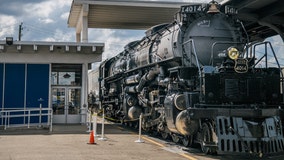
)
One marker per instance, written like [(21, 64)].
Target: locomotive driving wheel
[(130, 124), (136, 125), (187, 140), (206, 139), (122, 122), (175, 138), (164, 135)]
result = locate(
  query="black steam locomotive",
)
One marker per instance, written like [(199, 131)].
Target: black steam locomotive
[(199, 80)]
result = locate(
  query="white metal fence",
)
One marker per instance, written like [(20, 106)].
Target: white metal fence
[(28, 117)]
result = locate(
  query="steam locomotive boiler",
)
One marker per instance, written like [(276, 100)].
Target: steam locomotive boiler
[(198, 80)]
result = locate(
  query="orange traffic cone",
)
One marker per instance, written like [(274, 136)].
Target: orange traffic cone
[(92, 138)]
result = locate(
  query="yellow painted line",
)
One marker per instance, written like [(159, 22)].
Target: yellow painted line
[(187, 156), (162, 145), (152, 141)]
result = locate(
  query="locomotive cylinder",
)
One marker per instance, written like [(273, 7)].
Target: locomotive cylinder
[(185, 125), (134, 112)]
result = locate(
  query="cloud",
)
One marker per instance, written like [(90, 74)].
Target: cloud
[(8, 28), (65, 16), (15, 7), (114, 40), (46, 20), (38, 10), (58, 36), (41, 19), (45, 8)]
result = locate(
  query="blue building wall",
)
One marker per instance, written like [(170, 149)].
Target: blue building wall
[(21, 86), (1, 84), (37, 85), (14, 86)]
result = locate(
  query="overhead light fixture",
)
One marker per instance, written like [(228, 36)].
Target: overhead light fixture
[(66, 75), (9, 40)]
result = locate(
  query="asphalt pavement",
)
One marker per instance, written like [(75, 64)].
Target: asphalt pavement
[(70, 142)]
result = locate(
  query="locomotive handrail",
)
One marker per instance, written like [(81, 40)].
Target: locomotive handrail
[(265, 55), (197, 63), (266, 65), (151, 65)]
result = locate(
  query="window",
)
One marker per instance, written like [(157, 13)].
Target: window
[(66, 74)]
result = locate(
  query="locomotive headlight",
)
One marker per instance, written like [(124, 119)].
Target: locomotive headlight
[(233, 53)]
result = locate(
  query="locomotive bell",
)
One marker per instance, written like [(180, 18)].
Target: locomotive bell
[(213, 9)]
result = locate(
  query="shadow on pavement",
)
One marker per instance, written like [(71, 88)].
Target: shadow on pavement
[(64, 129)]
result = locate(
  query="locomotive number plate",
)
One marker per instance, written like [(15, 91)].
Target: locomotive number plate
[(241, 65), (230, 10), (192, 9)]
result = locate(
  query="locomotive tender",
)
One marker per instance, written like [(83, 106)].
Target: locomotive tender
[(198, 80)]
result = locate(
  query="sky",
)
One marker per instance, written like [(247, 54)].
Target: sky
[(46, 20)]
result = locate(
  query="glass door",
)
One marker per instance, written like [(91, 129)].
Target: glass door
[(66, 102), (73, 105)]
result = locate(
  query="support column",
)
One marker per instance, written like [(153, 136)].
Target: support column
[(85, 29), (82, 24), (78, 37), (85, 11), (84, 94)]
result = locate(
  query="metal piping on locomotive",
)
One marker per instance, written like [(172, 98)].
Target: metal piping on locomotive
[(194, 80), (147, 77)]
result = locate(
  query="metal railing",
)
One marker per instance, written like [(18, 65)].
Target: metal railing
[(25, 116)]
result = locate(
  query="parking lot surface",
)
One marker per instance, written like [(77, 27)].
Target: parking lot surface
[(70, 142)]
